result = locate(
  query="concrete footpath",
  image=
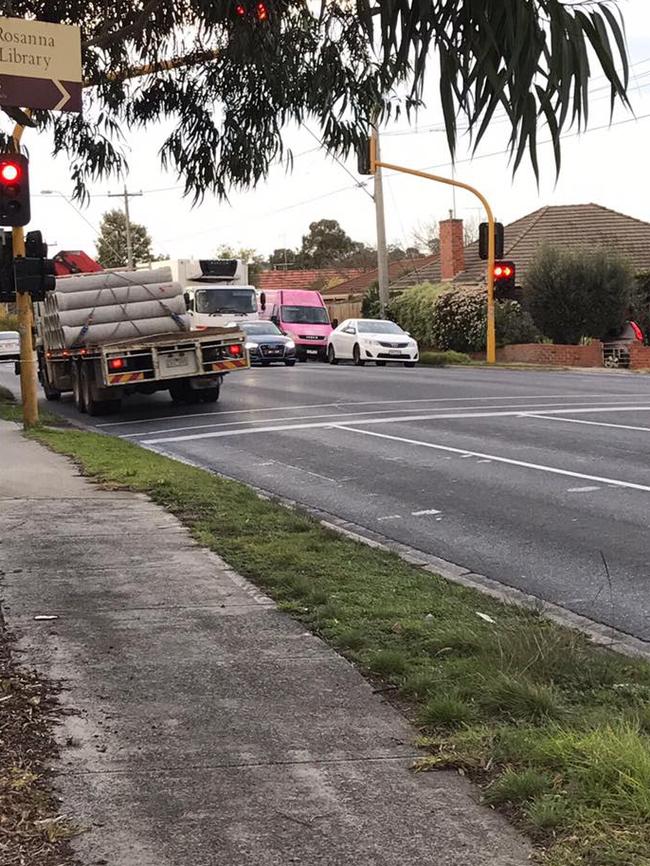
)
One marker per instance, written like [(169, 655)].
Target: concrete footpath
[(210, 729)]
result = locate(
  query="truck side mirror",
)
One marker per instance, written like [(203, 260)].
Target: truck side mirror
[(189, 303), (263, 301), (275, 321), (335, 323)]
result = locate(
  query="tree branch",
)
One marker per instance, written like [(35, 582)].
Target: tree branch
[(107, 38)]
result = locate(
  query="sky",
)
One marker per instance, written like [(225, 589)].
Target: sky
[(607, 165)]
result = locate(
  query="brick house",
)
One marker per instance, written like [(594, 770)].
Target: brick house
[(571, 226)]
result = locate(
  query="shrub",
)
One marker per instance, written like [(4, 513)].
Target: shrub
[(460, 321), (370, 303), (414, 310), (640, 307), (514, 324), (8, 322), (573, 294), (442, 359)]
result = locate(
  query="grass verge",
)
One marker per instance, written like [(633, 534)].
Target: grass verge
[(441, 359), (10, 410), (554, 730)]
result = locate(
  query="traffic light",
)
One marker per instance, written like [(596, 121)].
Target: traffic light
[(34, 274), (365, 156), (257, 11), (504, 280), (14, 190), (7, 284), (483, 230)]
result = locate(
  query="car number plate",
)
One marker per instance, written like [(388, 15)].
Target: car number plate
[(179, 359), (174, 363), (394, 352)]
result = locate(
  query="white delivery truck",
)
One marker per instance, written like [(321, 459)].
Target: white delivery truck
[(106, 334), (216, 290)]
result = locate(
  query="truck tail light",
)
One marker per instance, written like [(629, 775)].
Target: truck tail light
[(116, 364), (235, 350)]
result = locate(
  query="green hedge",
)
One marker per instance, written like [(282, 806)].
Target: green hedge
[(8, 322), (572, 294), (442, 359), (455, 319)]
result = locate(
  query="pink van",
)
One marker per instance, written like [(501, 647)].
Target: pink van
[(301, 315)]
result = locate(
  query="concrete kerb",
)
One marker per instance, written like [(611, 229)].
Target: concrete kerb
[(600, 634)]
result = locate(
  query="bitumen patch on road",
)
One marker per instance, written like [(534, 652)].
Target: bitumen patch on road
[(553, 729)]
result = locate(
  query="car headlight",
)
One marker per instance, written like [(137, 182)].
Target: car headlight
[(368, 341), (289, 344), (250, 346)]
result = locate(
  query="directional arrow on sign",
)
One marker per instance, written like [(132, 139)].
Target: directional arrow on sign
[(52, 95), (49, 77)]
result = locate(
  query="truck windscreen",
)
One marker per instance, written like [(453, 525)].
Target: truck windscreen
[(225, 300), (305, 315)]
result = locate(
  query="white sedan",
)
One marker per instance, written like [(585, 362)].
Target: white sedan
[(9, 346), (377, 340)]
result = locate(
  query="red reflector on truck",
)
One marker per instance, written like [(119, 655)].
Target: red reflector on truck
[(235, 351), (116, 363)]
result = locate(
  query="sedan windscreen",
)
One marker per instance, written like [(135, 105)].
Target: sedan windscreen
[(260, 328), (379, 327)]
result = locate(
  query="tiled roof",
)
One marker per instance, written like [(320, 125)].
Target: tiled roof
[(317, 280), (567, 226), (360, 283)]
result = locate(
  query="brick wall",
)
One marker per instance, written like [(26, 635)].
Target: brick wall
[(639, 357), (555, 356), (452, 248)]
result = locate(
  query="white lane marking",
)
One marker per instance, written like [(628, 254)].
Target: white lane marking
[(341, 405), (391, 517), (400, 419), (582, 489), (553, 470), (485, 461), (426, 511), (591, 423), (330, 415)]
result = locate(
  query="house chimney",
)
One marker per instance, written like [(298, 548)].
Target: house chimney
[(452, 248)]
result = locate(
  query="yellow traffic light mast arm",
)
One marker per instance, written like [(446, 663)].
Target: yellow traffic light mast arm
[(491, 331)]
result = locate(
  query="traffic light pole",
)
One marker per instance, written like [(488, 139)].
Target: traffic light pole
[(28, 363), (375, 163), (382, 255)]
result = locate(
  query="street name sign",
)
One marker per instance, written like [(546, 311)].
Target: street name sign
[(40, 65)]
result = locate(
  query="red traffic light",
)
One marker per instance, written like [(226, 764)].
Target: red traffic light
[(503, 272), (262, 12), (9, 172), (240, 10)]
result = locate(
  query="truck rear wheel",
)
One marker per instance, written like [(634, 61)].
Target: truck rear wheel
[(77, 391), (94, 406), (51, 393), (180, 392), (210, 395)]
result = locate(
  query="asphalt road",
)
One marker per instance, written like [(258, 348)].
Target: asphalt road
[(539, 480)]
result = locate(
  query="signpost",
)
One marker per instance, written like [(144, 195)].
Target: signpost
[(40, 65)]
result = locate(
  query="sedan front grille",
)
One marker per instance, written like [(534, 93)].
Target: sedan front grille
[(393, 345)]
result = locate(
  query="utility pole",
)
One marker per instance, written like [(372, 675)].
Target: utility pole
[(382, 254), (129, 239)]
